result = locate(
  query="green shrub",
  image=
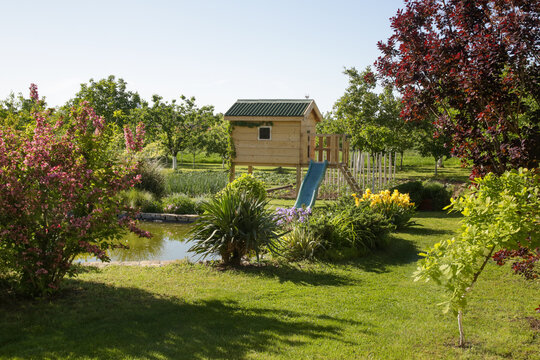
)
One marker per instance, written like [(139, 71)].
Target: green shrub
[(396, 207), (337, 231), (195, 183), (360, 228), (142, 200), (152, 178), (232, 225), (436, 196), (302, 242), (198, 204), (430, 195), (249, 184), (178, 204), (415, 189)]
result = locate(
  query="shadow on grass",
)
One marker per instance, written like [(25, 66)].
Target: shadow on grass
[(436, 215), (422, 231), (296, 275), (401, 251), (94, 320), (398, 252)]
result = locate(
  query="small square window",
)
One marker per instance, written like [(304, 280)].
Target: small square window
[(265, 133)]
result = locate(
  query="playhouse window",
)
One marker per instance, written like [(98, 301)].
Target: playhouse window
[(265, 132)]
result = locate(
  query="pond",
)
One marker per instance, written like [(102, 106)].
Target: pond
[(167, 243)]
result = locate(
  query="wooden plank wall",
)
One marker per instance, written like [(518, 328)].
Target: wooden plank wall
[(282, 149)]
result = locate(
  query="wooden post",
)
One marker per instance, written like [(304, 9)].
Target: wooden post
[(298, 178), (390, 167), (367, 170), (250, 169), (380, 172), (362, 171), (232, 173), (384, 167), (395, 160)]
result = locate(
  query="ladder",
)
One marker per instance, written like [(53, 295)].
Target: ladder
[(349, 178)]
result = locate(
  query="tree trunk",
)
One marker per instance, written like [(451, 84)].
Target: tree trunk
[(401, 163), (460, 325), (223, 163), (440, 162), (436, 167), (174, 161), (193, 165)]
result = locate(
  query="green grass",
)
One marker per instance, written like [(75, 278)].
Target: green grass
[(415, 167), (368, 308), (195, 183)]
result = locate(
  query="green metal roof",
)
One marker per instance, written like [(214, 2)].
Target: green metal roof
[(288, 107)]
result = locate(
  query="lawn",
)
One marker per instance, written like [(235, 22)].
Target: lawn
[(368, 308)]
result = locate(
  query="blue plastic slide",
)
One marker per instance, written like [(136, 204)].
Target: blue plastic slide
[(310, 186)]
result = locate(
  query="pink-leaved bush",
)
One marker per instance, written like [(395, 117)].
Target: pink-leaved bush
[(59, 185)]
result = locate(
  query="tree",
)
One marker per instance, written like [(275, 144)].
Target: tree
[(217, 139), (429, 142), (370, 119), (474, 66), (109, 98), (501, 212), (16, 112), (58, 194), (179, 125), (330, 124)]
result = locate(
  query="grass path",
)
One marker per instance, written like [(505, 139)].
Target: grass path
[(369, 308)]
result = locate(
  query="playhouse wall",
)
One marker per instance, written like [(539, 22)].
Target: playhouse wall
[(282, 149)]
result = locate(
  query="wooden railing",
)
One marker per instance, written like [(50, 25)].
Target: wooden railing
[(334, 148)]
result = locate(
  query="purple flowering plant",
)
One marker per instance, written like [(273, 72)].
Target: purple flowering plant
[(289, 216)]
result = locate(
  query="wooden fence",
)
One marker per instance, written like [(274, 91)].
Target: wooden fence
[(374, 171)]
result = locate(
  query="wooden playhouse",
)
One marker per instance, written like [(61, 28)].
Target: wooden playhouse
[(282, 133)]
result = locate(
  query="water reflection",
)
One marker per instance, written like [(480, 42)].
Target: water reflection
[(167, 243)]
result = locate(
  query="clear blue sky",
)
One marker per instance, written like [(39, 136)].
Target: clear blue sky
[(217, 51)]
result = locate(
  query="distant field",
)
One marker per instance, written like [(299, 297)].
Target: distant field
[(415, 167)]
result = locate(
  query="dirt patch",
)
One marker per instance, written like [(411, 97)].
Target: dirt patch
[(534, 322)]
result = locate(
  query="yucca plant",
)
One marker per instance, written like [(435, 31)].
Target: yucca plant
[(232, 225)]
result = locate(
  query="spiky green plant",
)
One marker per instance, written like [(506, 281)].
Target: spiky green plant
[(232, 225)]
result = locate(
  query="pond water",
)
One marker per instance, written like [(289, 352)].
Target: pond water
[(167, 243)]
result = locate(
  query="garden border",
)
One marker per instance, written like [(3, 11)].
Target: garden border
[(158, 217)]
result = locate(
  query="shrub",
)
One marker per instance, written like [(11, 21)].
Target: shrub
[(500, 213), (179, 204), (233, 224), (195, 183), (430, 195), (142, 200), (394, 206), (198, 204), (248, 183), (301, 243), (435, 196), (59, 182), (342, 230), (152, 178), (359, 228), (415, 189)]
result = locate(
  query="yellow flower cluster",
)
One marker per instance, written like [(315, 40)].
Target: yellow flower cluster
[(385, 199)]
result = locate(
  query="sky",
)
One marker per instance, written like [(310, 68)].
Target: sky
[(217, 51)]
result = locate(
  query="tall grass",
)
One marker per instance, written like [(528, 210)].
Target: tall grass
[(195, 183)]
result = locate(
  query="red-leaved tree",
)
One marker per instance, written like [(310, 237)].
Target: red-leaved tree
[(59, 185), (474, 65)]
